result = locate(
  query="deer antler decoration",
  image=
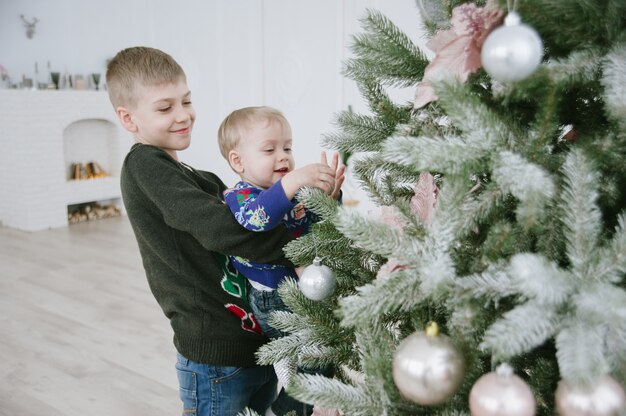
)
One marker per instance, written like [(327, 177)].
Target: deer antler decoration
[(30, 26)]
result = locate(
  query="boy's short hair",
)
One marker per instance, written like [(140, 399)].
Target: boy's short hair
[(236, 123), (137, 67)]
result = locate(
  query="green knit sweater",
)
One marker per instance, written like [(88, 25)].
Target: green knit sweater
[(185, 233)]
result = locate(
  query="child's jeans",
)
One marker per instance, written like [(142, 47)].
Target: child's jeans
[(209, 390), (263, 303)]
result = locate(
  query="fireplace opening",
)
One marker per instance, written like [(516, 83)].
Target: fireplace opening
[(91, 149), (92, 166), (91, 211)]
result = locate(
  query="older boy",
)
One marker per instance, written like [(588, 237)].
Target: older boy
[(185, 233)]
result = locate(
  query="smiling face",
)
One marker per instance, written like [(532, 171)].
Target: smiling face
[(263, 155), (163, 117)]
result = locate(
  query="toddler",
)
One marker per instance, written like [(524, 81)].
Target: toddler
[(257, 143)]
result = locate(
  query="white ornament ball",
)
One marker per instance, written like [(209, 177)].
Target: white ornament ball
[(428, 369), (604, 398), (501, 393), (317, 281), (513, 51)]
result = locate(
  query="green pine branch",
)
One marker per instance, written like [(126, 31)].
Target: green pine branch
[(385, 53)]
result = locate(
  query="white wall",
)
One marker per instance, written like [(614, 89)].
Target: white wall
[(284, 53)]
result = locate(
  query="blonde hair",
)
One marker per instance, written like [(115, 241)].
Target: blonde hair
[(137, 67), (236, 123)]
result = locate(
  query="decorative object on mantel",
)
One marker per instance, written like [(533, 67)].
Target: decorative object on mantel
[(55, 77), (5, 79), (51, 84), (67, 83), (90, 170), (95, 77), (36, 77), (30, 26), (80, 83), (27, 83)]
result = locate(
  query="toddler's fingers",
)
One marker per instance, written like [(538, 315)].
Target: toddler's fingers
[(326, 170), (329, 177), (329, 185), (339, 181), (335, 161), (324, 161), (341, 171), (337, 191)]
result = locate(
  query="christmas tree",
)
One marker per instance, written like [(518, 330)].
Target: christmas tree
[(502, 194)]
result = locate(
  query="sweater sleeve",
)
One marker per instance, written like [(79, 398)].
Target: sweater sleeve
[(185, 206), (256, 209)]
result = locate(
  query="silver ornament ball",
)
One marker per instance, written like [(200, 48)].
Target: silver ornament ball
[(604, 398), (427, 369), (317, 281), (513, 51), (501, 393)]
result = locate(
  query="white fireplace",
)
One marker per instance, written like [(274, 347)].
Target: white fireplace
[(42, 134)]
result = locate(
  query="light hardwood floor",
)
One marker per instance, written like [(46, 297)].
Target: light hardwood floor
[(80, 333)]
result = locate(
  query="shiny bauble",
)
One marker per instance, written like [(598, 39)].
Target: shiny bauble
[(513, 51), (501, 393), (427, 368), (604, 398), (317, 281)]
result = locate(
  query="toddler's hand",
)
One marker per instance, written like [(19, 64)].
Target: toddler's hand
[(317, 175), (339, 174)]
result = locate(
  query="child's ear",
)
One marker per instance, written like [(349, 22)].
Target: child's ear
[(235, 161), (126, 119)]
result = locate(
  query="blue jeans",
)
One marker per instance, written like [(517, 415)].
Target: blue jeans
[(210, 390), (263, 303)]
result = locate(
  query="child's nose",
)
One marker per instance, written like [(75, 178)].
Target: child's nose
[(182, 115)]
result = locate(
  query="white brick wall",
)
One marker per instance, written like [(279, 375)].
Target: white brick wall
[(41, 132)]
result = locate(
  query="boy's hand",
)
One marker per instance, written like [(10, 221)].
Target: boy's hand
[(339, 174), (317, 175)]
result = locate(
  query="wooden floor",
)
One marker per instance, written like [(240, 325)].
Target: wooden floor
[(80, 333)]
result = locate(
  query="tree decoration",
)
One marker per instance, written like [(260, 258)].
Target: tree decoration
[(391, 216), (423, 202), (427, 367), (389, 268), (320, 411), (457, 49), (422, 205), (501, 393), (317, 281), (512, 52), (568, 134), (604, 398)]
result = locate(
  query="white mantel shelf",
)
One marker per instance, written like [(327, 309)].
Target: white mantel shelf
[(34, 187)]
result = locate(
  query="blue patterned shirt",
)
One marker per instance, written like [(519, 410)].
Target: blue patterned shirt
[(262, 210)]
